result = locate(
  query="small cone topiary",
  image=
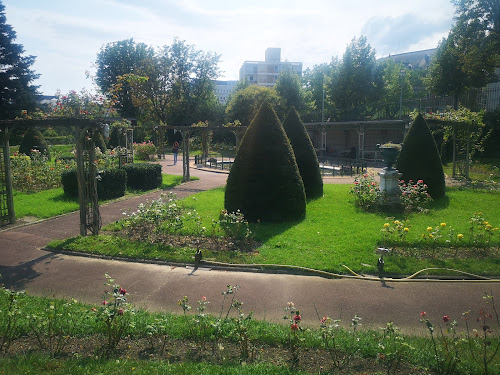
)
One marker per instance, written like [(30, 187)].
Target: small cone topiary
[(306, 157), (419, 158), (34, 140), (264, 182)]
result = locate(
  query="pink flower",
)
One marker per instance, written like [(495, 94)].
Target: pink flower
[(423, 314), (121, 311), (203, 298), (446, 318), (297, 318), (420, 181), (324, 319), (104, 302), (94, 309), (122, 291), (294, 327)]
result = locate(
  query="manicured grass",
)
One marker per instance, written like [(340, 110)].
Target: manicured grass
[(334, 233), (54, 202), (480, 169)]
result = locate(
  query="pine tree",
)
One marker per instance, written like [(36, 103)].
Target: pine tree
[(16, 90), (306, 157), (419, 158), (264, 182)]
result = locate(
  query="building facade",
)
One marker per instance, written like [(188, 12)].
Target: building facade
[(223, 89), (265, 73)]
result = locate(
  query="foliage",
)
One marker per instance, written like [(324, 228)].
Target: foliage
[(314, 81), (353, 87), (111, 183), (34, 140), (305, 154), (289, 88), (419, 159), (10, 317), (264, 182), (17, 92), (414, 196), (36, 173), (245, 103), (366, 191), (144, 150), (234, 225), (117, 59), (143, 176)]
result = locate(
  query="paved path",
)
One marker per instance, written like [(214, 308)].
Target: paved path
[(24, 265)]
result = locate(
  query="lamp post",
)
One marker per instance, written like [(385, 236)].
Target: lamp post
[(402, 74)]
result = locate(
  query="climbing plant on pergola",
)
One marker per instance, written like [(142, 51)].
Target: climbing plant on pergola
[(464, 129), (86, 132)]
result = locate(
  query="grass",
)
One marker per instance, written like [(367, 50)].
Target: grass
[(480, 170), (189, 344), (54, 202), (334, 233)]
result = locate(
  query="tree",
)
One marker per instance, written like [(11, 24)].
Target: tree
[(245, 103), (175, 86), (305, 154), (34, 140), (315, 81), (353, 87), (419, 158), (264, 182), (289, 87), (17, 92), (396, 85)]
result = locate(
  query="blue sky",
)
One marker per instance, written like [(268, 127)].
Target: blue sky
[(66, 36)]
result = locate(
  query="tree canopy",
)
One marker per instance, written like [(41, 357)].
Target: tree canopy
[(17, 92), (289, 86)]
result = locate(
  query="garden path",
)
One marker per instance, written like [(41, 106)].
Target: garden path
[(24, 265)]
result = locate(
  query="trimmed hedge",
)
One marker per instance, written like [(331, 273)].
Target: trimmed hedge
[(264, 182), (34, 140), (305, 154), (419, 159), (143, 176), (111, 183)]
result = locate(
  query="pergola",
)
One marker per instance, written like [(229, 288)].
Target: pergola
[(86, 132)]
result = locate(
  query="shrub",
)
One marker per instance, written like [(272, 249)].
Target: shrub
[(143, 176), (264, 182), (366, 191), (306, 157), (111, 183), (34, 140), (419, 158), (144, 150), (414, 196)]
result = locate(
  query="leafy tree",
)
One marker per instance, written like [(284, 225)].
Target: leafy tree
[(264, 182), (175, 86), (353, 87), (289, 87), (17, 92), (315, 81), (396, 79), (419, 158), (34, 140), (305, 154), (245, 103), (115, 60)]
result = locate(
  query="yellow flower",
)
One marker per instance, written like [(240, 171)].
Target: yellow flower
[(429, 229), (386, 225), (431, 236), (488, 227), (407, 229), (485, 223), (443, 224), (460, 236), (397, 222)]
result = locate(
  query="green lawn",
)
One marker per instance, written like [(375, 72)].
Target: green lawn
[(54, 202), (334, 233)]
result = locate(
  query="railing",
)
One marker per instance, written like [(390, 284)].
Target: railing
[(214, 160), (336, 166)]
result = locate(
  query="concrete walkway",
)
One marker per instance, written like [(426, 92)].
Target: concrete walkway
[(23, 265)]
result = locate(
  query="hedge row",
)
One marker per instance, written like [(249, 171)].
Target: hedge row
[(111, 183)]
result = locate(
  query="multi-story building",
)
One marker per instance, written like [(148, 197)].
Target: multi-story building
[(223, 89), (265, 73)]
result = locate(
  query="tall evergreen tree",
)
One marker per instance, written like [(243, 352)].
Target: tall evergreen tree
[(419, 158), (305, 154), (17, 92), (264, 182)]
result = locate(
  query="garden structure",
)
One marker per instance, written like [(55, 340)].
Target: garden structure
[(86, 132)]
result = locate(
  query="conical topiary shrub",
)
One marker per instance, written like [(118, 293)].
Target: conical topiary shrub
[(306, 157), (34, 140), (264, 182), (419, 158)]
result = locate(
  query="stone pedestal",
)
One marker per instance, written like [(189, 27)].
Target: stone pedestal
[(389, 182)]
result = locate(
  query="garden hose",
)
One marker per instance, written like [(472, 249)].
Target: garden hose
[(356, 276)]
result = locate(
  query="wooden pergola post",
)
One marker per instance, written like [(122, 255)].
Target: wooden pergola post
[(185, 156), (7, 198)]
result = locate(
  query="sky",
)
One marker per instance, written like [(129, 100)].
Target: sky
[(66, 36)]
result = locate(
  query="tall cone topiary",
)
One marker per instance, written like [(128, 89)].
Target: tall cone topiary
[(306, 157), (264, 182), (419, 158)]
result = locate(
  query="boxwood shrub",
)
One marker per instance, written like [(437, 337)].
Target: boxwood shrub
[(111, 183), (143, 176)]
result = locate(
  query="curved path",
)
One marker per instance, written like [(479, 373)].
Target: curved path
[(23, 265)]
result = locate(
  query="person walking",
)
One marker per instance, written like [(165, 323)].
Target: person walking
[(175, 150)]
